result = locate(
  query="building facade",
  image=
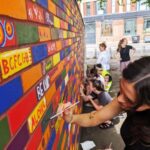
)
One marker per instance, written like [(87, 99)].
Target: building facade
[(118, 19)]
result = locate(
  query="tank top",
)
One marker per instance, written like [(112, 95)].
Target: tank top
[(135, 131)]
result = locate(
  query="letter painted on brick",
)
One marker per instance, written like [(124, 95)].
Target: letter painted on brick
[(36, 115), (14, 61)]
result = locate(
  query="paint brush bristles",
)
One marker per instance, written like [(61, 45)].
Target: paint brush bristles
[(56, 115)]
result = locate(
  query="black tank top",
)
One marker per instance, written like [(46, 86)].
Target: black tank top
[(135, 131)]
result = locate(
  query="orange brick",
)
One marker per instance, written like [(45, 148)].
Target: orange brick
[(31, 76), (49, 94), (51, 7), (15, 8), (58, 45), (45, 139)]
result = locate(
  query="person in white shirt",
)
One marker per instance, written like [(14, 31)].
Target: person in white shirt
[(103, 57)]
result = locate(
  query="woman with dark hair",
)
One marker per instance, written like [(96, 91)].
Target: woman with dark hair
[(124, 51), (134, 98)]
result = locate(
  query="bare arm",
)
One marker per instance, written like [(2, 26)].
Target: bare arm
[(96, 106), (97, 117)]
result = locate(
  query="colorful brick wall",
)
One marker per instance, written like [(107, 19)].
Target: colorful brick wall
[(41, 65)]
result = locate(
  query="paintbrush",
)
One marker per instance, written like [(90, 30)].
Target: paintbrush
[(56, 115)]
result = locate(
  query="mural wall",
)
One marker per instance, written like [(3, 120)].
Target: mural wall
[(41, 66)]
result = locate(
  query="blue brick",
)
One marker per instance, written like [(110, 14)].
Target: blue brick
[(62, 54), (39, 52), (10, 93), (44, 3), (52, 139)]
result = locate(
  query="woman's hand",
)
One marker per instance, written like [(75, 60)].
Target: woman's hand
[(68, 113)]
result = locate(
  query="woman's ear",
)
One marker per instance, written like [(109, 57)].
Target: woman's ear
[(143, 107)]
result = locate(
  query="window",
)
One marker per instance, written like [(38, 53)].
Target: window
[(141, 6), (130, 27), (88, 9), (128, 5), (147, 25), (90, 33), (113, 6), (120, 5), (100, 10), (107, 28)]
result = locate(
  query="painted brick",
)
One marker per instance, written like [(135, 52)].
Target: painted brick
[(15, 60), (59, 45), (58, 81), (62, 54), (20, 140), (51, 46), (64, 141), (52, 139), (39, 52), (35, 12), (7, 100), (45, 120), (36, 115), (7, 29), (15, 8), (49, 94), (44, 33), (61, 139), (31, 76), (4, 133), (47, 65), (56, 59), (48, 18), (51, 7), (26, 33), (44, 3), (56, 22), (45, 139), (18, 113), (55, 144), (35, 139), (55, 33)]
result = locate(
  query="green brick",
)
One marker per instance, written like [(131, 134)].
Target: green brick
[(64, 73), (4, 133), (60, 139), (26, 33)]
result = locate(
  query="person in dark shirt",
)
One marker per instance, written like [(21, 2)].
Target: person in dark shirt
[(124, 51), (134, 98)]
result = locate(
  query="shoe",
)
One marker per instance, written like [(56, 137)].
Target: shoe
[(106, 125)]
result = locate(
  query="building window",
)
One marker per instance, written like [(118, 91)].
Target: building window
[(107, 28), (130, 27), (100, 10), (88, 9), (120, 5), (147, 25), (141, 6), (90, 33), (128, 5), (113, 6)]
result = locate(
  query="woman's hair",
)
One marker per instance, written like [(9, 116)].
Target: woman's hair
[(103, 45), (139, 72), (110, 78), (97, 84), (120, 43), (98, 66)]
